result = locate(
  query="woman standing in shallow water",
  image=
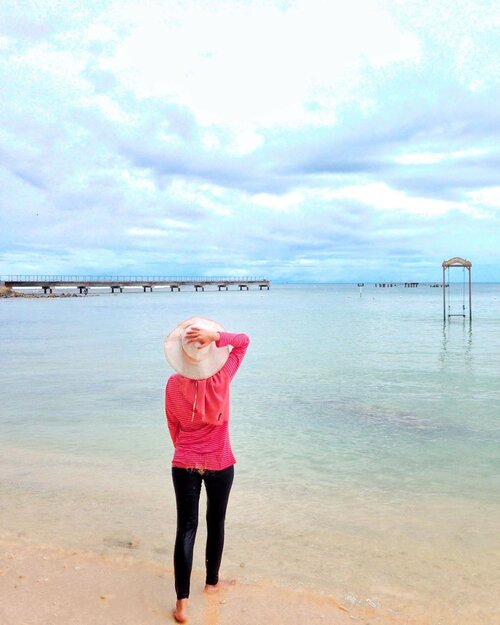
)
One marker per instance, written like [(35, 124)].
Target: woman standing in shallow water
[(206, 359)]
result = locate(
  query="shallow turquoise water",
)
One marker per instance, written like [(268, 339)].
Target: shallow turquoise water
[(375, 385), (367, 408)]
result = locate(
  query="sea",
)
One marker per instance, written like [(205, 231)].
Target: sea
[(366, 429)]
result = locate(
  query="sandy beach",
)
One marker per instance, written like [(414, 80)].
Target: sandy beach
[(46, 585)]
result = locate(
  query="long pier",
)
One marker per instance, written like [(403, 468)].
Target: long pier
[(147, 283)]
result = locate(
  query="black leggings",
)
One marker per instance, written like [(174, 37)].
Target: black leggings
[(187, 486)]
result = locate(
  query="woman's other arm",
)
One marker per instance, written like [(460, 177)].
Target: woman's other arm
[(240, 343)]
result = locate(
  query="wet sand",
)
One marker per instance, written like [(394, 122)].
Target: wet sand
[(46, 585)]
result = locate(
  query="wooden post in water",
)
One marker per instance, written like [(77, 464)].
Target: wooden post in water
[(444, 293), (470, 295)]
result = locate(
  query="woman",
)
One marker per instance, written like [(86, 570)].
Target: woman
[(206, 359)]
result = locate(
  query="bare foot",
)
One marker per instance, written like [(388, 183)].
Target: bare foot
[(222, 583), (179, 613)]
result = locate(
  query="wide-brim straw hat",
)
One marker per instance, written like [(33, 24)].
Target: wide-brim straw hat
[(188, 359)]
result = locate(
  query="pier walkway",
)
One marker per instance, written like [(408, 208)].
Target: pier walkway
[(147, 283)]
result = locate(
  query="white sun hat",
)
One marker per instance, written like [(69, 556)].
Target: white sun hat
[(186, 358)]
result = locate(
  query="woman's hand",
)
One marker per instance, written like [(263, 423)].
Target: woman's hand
[(201, 335)]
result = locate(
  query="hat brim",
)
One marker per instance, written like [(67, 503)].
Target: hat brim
[(214, 360)]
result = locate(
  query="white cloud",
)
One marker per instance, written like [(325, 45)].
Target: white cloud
[(209, 197), (256, 63), (282, 203), (379, 195), (147, 232), (488, 198), (173, 224), (430, 158)]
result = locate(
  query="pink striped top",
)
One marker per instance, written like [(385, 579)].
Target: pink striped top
[(201, 445)]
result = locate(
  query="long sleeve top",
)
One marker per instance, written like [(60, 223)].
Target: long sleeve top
[(198, 444)]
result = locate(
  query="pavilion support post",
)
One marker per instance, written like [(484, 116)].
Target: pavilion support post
[(470, 296), (444, 294)]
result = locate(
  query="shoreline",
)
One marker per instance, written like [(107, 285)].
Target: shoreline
[(388, 580), (73, 586), (6, 293)]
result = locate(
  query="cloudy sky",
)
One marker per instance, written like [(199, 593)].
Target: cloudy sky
[(307, 140)]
